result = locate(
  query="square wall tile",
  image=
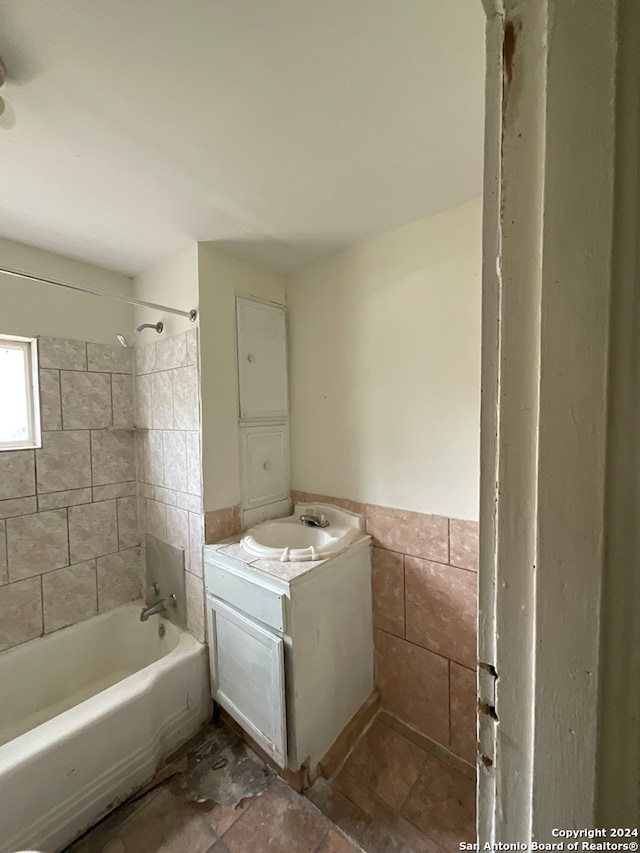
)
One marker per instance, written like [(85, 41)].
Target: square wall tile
[(194, 464), (143, 401), (441, 609), (414, 533), (387, 574), (50, 403), (37, 543), (119, 579), (69, 595), (178, 529), (93, 530), (109, 358), (196, 543), (122, 400), (171, 352), (17, 474), (4, 574), (112, 456), (414, 684), (463, 711), (463, 539), (21, 609), (64, 461), (186, 399), (175, 460), (221, 523), (162, 400), (86, 400), (145, 359), (62, 354), (128, 522)]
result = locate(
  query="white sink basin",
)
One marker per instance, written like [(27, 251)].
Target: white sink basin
[(287, 539)]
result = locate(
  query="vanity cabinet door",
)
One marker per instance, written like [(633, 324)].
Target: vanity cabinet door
[(262, 360), (247, 676)]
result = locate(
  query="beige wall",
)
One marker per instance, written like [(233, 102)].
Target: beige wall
[(27, 308), (172, 282), (221, 278), (385, 368)]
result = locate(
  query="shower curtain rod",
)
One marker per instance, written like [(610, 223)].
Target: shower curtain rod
[(192, 315)]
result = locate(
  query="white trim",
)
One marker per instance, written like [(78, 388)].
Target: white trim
[(29, 348)]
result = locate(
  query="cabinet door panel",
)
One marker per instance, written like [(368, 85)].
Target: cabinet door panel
[(262, 360), (247, 676)]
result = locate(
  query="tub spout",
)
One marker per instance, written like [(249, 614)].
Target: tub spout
[(158, 607)]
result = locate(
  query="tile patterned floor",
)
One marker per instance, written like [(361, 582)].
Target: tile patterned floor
[(391, 796), (396, 796)]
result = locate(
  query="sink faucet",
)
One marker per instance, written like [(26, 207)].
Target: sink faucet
[(158, 607), (313, 521)]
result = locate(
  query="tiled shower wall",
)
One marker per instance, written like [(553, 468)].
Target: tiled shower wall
[(168, 456), (68, 520), (425, 611)]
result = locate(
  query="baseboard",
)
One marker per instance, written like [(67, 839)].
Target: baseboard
[(344, 743)]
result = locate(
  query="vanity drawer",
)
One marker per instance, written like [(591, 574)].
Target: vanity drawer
[(264, 604)]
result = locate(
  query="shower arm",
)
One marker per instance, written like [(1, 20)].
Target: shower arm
[(120, 297)]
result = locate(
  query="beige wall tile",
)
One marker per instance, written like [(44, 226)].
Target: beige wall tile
[(17, 474), (171, 352), (119, 579), (175, 460), (114, 490), (414, 684), (344, 503), (387, 570), (57, 500), (86, 400), (156, 519), (153, 458), (50, 404), (128, 522), (192, 346), (4, 574), (145, 358), (186, 402), (162, 400), (195, 605), (178, 529), (196, 542), (143, 401), (194, 464), (441, 609), (64, 462), (62, 354), (463, 539), (122, 400), (412, 533), (21, 609), (112, 457), (69, 595), (37, 543), (19, 506), (221, 523), (93, 530), (109, 358), (463, 711)]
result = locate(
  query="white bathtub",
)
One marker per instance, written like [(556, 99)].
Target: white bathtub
[(86, 716)]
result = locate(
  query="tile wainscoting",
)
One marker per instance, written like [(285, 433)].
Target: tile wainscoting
[(425, 612), (68, 521)]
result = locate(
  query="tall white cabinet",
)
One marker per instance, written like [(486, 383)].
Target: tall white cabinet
[(263, 408)]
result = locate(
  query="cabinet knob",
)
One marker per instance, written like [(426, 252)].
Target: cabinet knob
[(267, 466), (251, 358)]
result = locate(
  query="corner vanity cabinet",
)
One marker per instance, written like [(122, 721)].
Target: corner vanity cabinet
[(291, 647)]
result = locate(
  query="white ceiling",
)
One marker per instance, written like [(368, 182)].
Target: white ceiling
[(279, 130)]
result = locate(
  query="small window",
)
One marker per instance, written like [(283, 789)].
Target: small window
[(19, 398)]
